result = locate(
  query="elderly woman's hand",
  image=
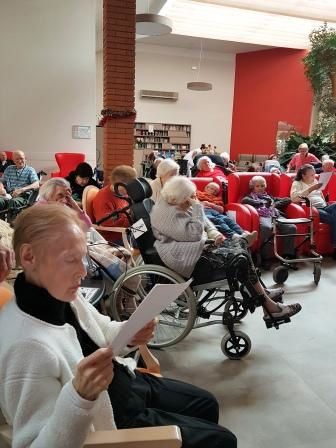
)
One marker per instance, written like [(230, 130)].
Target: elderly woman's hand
[(219, 240), (143, 336), (94, 374), (7, 261)]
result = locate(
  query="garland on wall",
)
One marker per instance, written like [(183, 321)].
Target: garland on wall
[(109, 114)]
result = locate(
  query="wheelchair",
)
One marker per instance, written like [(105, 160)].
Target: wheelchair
[(200, 301)]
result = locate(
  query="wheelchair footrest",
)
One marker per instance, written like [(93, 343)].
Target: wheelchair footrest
[(270, 323)]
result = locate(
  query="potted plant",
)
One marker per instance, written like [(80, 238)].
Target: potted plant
[(320, 69)]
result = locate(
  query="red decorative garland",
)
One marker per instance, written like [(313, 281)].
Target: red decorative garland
[(109, 114)]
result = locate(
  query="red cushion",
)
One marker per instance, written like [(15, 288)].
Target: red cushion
[(68, 161), (201, 182), (238, 184)]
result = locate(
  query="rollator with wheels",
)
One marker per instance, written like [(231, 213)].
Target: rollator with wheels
[(199, 305), (280, 273)]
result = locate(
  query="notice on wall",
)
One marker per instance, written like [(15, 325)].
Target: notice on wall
[(81, 131)]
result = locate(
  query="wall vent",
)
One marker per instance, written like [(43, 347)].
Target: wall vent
[(172, 96)]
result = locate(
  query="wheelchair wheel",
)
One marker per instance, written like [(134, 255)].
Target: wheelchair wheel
[(280, 274), (175, 322), (237, 346), (236, 309), (317, 273)]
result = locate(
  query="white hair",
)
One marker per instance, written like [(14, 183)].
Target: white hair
[(225, 156), (200, 160), (325, 157), (328, 162), (167, 166), (303, 145), (256, 179), (49, 187), (177, 190)]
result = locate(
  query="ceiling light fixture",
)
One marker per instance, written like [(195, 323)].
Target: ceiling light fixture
[(197, 85), (153, 24)]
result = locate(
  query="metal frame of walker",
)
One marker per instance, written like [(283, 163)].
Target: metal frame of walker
[(280, 273)]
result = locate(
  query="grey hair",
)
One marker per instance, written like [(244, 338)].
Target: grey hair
[(167, 166), (328, 162), (200, 160), (256, 179), (177, 190), (225, 156), (303, 145), (49, 187)]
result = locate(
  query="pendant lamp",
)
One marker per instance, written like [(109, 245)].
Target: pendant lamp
[(197, 85), (153, 24)]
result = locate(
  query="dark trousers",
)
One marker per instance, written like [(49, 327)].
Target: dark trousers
[(13, 203), (328, 216), (156, 401)]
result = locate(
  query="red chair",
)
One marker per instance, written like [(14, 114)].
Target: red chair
[(67, 161), (238, 212), (9, 155)]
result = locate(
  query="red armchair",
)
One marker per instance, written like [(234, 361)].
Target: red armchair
[(67, 161)]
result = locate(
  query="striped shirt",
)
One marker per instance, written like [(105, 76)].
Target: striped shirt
[(14, 178)]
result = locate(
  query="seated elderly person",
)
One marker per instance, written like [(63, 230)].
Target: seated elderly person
[(165, 170), (269, 207), (305, 185), (328, 166), (4, 162), (214, 211), (181, 242), (58, 190), (59, 378), (107, 201), (302, 157), (206, 168), (18, 180)]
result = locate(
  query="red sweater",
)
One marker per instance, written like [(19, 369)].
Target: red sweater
[(106, 202), (216, 174)]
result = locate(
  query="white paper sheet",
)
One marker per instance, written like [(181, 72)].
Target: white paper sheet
[(152, 305), (324, 179)]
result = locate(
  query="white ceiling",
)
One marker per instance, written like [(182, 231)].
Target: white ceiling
[(174, 40), (233, 26)]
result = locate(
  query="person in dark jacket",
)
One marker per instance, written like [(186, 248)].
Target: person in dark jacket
[(79, 179), (4, 162)]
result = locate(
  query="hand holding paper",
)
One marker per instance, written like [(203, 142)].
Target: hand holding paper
[(324, 179), (152, 305)]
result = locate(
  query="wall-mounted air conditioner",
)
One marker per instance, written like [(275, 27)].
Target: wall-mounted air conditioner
[(172, 96)]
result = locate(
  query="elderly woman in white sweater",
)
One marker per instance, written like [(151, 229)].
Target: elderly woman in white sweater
[(181, 230), (166, 169), (58, 376)]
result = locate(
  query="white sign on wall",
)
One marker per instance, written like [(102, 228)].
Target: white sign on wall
[(81, 131)]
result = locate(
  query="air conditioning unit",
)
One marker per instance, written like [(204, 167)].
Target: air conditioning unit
[(172, 96)]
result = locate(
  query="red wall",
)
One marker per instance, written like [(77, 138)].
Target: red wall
[(270, 86)]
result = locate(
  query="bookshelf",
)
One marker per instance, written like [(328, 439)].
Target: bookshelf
[(170, 140)]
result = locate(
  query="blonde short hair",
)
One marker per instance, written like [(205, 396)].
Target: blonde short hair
[(256, 179), (167, 166), (177, 190), (41, 224), (123, 174), (49, 187)]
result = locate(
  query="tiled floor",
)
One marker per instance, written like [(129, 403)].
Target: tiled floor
[(283, 394)]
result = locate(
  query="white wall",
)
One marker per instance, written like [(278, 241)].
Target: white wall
[(169, 69), (47, 77)]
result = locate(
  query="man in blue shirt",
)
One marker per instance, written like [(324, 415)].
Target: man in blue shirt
[(18, 180)]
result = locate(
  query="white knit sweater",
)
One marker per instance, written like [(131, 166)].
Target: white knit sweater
[(37, 364), (180, 235)]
